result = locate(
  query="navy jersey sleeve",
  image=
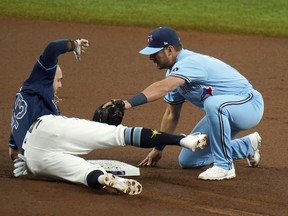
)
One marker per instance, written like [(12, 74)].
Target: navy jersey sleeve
[(47, 62), (12, 143), (55, 48)]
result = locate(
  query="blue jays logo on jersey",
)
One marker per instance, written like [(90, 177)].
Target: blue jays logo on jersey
[(206, 92)]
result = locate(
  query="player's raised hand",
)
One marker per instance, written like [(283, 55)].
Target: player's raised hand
[(81, 46)]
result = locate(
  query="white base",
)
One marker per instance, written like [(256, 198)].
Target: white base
[(117, 167)]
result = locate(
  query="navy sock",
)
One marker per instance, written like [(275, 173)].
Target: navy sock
[(92, 179), (147, 138)]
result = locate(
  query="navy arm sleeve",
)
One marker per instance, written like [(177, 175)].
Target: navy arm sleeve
[(55, 48), (12, 143)]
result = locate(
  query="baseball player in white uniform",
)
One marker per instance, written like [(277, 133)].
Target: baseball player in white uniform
[(46, 143), (229, 101)]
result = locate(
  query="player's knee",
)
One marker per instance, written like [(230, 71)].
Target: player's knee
[(186, 163), (92, 179), (194, 162)]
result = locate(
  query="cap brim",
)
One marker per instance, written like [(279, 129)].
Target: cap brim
[(150, 50)]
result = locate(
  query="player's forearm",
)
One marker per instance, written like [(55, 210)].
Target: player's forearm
[(168, 126), (150, 94), (55, 48), (155, 91), (169, 123), (13, 153), (161, 88), (171, 118)]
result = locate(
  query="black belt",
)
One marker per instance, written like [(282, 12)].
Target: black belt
[(34, 125)]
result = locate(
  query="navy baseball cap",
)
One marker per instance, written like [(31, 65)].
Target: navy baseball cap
[(160, 38)]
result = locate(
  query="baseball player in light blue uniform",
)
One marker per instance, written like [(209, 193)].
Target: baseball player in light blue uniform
[(50, 143), (229, 101)]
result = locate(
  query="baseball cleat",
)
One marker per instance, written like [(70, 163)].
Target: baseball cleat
[(194, 141), (127, 186), (254, 159), (217, 173)]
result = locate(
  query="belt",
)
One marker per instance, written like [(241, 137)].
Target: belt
[(34, 125)]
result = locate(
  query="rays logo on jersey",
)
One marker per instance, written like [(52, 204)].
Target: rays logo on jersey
[(206, 92)]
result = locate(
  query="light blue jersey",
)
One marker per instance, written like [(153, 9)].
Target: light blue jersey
[(205, 76), (230, 104)]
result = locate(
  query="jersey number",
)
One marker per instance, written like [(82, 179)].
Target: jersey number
[(20, 109)]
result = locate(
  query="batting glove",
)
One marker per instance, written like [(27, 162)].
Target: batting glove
[(20, 166), (80, 46)]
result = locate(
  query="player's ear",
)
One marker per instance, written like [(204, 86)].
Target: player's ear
[(170, 49)]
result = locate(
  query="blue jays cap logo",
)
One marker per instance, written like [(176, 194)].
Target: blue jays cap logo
[(150, 39)]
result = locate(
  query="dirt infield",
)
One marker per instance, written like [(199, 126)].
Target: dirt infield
[(112, 68)]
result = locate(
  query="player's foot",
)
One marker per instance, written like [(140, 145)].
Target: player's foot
[(127, 186), (217, 173), (254, 159), (194, 141)]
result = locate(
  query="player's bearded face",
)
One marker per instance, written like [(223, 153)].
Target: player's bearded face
[(57, 83), (162, 59)]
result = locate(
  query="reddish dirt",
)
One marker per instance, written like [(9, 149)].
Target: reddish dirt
[(112, 68)]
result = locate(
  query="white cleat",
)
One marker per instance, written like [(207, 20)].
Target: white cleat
[(254, 159), (217, 173), (127, 186), (194, 141)]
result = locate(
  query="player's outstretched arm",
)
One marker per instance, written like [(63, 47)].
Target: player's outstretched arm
[(49, 58)]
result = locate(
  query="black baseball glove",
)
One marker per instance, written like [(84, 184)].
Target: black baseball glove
[(111, 114)]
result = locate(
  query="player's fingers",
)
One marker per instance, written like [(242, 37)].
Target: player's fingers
[(17, 160), (144, 162), (19, 164), (107, 104), (154, 163), (149, 162), (17, 171), (84, 41), (22, 157), (16, 174), (25, 172)]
